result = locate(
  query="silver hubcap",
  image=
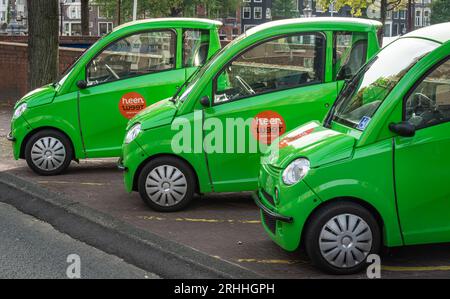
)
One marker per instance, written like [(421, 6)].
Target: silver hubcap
[(48, 153), (166, 185), (345, 241)]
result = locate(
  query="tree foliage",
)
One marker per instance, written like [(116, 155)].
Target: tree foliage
[(284, 9), (358, 6), (440, 11), (169, 8)]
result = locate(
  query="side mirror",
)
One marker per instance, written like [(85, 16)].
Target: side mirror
[(82, 84), (205, 101), (403, 128)]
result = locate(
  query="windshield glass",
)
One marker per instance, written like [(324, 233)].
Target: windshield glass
[(204, 68), (66, 73), (361, 97)]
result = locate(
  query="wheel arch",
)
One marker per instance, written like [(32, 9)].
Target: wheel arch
[(369, 207), (156, 156), (34, 131)]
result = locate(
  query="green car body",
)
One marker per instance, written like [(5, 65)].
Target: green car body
[(136, 65), (282, 90), (389, 159)]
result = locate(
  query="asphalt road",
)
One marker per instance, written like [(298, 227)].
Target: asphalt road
[(30, 248)]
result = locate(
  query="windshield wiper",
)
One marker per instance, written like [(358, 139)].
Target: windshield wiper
[(177, 93)]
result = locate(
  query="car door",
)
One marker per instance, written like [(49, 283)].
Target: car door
[(125, 77), (422, 162), (264, 91)]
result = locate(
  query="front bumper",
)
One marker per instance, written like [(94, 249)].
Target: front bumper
[(133, 157), (120, 165), (10, 137), (284, 209), (269, 212)]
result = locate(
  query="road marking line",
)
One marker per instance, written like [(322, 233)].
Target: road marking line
[(71, 183), (269, 261), (415, 269), (200, 220)]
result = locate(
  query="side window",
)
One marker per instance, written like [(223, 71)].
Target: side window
[(274, 65), (429, 103), (135, 55), (195, 47), (350, 52)]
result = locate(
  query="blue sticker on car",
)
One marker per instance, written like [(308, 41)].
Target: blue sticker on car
[(363, 123)]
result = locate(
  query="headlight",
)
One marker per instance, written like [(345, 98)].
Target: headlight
[(133, 133), (296, 171), (20, 110)]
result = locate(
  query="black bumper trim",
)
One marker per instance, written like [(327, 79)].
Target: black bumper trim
[(120, 165), (10, 137), (266, 210)]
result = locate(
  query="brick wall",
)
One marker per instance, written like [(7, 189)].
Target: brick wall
[(63, 40), (14, 68)]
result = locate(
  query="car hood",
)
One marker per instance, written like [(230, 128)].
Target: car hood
[(39, 96), (312, 141), (159, 114)]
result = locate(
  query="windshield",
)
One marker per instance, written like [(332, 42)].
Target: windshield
[(200, 72), (361, 97), (66, 73)]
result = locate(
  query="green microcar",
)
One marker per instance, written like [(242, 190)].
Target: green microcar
[(84, 115), (271, 79), (377, 170)]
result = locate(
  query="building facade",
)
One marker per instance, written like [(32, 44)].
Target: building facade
[(100, 23), (422, 13), (3, 12), (256, 12)]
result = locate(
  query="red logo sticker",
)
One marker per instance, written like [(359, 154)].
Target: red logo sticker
[(131, 104), (267, 126), (289, 139)]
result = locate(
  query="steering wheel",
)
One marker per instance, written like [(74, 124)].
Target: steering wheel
[(245, 86), (422, 96), (111, 71)]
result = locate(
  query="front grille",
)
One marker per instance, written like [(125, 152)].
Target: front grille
[(268, 197), (270, 222)]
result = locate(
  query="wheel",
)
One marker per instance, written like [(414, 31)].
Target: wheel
[(166, 184), (340, 237), (48, 152)]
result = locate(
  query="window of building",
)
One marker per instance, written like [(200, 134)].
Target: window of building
[(247, 12), (394, 29), (258, 13), (268, 13), (402, 14), (104, 28)]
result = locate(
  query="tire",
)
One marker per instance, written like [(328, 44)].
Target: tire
[(357, 236), (48, 152), (167, 184)]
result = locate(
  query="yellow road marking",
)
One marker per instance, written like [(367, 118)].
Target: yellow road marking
[(65, 182), (385, 268), (200, 220), (415, 269), (269, 261)]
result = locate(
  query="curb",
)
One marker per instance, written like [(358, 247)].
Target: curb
[(141, 248)]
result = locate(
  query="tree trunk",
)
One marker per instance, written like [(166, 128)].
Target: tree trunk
[(85, 17), (383, 9), (43, 56), (119, 10)]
